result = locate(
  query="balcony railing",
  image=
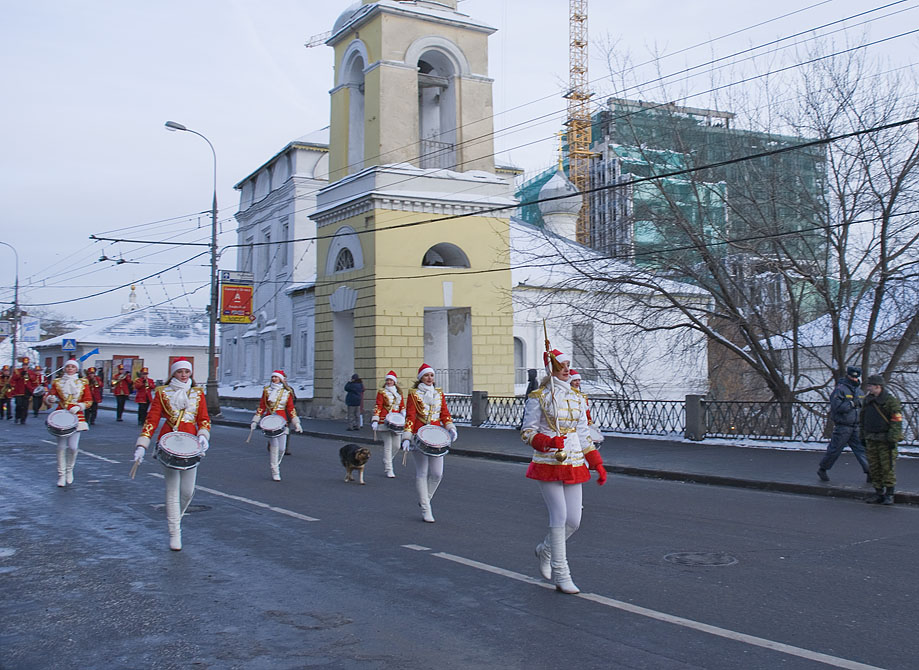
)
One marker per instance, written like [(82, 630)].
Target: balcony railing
[(434, 154)]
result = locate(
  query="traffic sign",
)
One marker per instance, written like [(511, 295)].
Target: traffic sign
[(69, 345), (237, 277), (6, 328)]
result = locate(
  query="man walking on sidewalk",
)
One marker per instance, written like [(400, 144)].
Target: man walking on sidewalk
[(882, 428), (844, 404)]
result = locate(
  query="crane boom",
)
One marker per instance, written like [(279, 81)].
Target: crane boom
[(578, 112)]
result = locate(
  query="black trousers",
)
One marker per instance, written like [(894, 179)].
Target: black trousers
[(36, 403), (22, 407), (142, 408), (120, 400), (6, 407), (90, 413)]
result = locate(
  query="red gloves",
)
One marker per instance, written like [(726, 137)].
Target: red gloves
[(544, 443), (595, 462)]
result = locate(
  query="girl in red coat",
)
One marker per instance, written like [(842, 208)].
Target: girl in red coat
[(555, 425), (389, 400), (183, 406), (426, 405), (70, 392), (277, 398)]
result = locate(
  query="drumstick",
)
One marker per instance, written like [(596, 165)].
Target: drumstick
[(250, 434), (134, 469)]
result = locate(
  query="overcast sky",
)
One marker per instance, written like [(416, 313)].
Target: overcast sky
[(88, 86)]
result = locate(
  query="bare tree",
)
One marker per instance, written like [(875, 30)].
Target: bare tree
[(819, 224)]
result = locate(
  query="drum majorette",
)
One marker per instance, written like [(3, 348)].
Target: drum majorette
[(72, 395), (426, 406), (277, 401), (389, 419), (555, 425), (183, 406)]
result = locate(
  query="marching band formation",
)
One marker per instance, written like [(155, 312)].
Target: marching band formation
[(556, 424)]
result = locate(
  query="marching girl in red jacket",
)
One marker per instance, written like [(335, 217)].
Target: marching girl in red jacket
[(69, 392), (277, 398), (555, 425), (389, 399), (426, 405), (183, 406)]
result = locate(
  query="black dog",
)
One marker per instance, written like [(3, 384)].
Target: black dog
[(353, 458)]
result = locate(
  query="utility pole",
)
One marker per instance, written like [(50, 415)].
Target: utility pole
[(15, 305)]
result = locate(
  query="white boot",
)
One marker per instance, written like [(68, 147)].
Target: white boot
[(543, 555), (433, 483), (274, 456), (71, 455), (387, 458), (424, 499), (174, 522), (62, 467), (561, 575)]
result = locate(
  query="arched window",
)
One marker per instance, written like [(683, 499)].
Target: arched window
[(445, 255), (437, 110), (353, 64), (344, 261)]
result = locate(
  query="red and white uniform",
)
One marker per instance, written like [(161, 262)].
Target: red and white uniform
[(71, 391), (565, 415), (426, 405), (121, 384), (277, 399), (389, 400), (192, 419), (95, 386), (144, 387)]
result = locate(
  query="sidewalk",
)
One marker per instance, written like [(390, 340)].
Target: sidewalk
[(719, 462)]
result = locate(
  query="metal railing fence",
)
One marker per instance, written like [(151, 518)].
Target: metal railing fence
[(790, 422)]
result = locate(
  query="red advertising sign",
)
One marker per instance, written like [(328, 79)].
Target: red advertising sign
[(235, 303)]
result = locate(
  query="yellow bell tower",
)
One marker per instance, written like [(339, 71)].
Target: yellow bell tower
[(410, 269)]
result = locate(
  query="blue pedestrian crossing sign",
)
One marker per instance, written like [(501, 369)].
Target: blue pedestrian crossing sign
[(69, 345)]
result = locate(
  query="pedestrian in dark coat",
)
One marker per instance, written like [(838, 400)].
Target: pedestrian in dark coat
[(845, 402), (882, 428), (354, 399)]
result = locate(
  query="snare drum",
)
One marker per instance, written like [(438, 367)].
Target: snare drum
[(595, 435), (433, 440), (395, 422), (62, 423), (272, 425), (178, 450)]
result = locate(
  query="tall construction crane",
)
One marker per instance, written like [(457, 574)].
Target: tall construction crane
[(578, 112)]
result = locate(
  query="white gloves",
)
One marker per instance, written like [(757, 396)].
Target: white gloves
[(374, 425), (453, 433), (204, 445), (75, 409), (405, 445), (295, 422), (254, 424), (139, 454)]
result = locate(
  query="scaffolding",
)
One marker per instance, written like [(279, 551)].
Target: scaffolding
[(579, 120)]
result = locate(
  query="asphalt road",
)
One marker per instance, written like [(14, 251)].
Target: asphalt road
[(315, 572)]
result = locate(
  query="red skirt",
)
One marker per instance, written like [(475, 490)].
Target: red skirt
[(567, 474)]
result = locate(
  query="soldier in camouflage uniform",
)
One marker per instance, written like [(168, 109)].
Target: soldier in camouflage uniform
[(882, 428)]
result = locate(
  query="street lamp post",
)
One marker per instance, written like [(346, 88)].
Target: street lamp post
[(15, 304), (213, 400)]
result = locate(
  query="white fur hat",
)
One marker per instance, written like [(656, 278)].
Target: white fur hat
[(179, 364)]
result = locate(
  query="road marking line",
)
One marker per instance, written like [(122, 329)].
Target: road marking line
[(248, 501), (49, 442), (670, 618), (416, 547), (101, 458)]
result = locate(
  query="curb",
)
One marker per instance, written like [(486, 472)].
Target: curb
[(907, 498)]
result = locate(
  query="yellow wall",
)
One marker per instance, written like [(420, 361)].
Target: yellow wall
[(389, 315)]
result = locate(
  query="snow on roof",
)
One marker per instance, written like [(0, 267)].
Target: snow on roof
[(318, 137), (541, 259), (896, 310), (154, 326)]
